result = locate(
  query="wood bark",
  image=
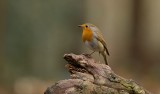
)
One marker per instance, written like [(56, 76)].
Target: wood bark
[(90, 77)]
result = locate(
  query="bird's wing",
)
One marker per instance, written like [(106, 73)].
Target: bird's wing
[(101, 39)]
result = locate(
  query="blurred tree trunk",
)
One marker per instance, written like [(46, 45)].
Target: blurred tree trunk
[(146, 31), (2, 35)]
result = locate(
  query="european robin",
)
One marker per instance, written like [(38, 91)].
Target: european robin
[(93, 39)]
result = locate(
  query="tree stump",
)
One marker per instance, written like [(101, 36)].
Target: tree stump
[(90, 77)]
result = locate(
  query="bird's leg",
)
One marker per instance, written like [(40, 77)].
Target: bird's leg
[(91, 53), (88, 55)]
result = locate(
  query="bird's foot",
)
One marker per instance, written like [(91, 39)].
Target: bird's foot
[(87, 55)]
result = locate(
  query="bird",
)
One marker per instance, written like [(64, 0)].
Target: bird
[(92, 38)]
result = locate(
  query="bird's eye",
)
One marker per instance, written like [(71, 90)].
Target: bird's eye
[(86, 26)]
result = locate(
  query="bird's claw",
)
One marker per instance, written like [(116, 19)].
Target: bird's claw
[(87, 55)]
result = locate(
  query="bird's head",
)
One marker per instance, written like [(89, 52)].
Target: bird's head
[(87, 26)]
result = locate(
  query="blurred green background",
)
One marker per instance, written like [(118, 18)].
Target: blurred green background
[(35, 34)]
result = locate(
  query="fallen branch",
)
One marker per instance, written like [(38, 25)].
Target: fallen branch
[(90, 77)]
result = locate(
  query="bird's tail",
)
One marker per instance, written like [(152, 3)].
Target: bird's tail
[(105, 57)]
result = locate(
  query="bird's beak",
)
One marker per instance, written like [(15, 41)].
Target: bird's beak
[(79, 25)]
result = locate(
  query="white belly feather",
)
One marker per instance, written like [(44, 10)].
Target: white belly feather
[(95, 45)]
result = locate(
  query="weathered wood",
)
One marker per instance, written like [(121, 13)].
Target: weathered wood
[(90, 77)]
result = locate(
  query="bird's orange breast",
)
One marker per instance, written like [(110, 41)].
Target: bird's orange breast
[(87, 35)]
